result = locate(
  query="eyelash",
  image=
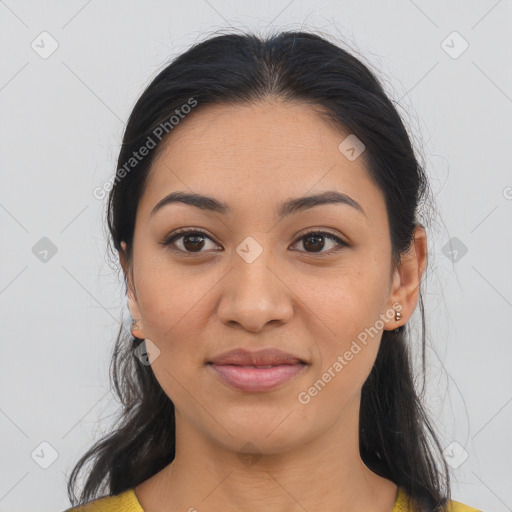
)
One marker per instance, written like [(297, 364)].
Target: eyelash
[(182, 232)]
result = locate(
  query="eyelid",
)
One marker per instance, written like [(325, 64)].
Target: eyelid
[(322, 231)]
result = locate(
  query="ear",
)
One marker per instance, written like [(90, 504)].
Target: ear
[(133, 305), (407, 279)]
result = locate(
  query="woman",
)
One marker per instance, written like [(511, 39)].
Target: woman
[(265, 216)]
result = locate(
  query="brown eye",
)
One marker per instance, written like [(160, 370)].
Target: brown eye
[(315, 241), (187, 241), (193, 242)]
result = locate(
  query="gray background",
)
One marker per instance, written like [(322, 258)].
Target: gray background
[(62, 119)]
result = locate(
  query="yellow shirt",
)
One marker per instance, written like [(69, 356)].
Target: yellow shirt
[(127, 502)]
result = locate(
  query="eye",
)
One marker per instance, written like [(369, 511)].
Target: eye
[(315, 241), (187, 240)]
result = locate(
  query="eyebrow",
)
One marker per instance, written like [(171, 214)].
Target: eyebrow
[(287, 208)]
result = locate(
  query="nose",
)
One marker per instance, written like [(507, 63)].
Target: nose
[(255, 294)]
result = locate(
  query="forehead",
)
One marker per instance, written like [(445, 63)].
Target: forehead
[(261, 152)]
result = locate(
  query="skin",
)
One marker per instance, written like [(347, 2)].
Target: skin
[(306, 457)]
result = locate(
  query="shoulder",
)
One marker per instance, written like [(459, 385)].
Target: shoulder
[(123, 502), (455, 506), (403, 504)]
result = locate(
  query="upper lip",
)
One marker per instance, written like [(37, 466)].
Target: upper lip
[(263, 357)]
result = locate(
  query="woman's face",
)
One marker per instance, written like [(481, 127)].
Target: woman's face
[(253, 281)]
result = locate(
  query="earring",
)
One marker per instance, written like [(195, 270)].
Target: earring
[(135, 326), (398, 317)]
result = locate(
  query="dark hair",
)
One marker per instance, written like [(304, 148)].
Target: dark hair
[(397, 441)]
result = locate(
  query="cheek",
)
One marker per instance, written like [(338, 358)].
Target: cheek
[(351, 332), (344, 301), (346, 310), (172, 298)]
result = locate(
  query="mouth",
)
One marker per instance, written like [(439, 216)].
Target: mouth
[(256, 371), (256, 378)]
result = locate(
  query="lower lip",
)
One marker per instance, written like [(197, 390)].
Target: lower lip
[(257, 379)]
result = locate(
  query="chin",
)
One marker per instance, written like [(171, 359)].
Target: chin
[(261, 430)]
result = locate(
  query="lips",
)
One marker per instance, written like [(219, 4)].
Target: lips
[(256, 371), (263, 357)]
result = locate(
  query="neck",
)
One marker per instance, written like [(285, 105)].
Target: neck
[(324, 473)]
